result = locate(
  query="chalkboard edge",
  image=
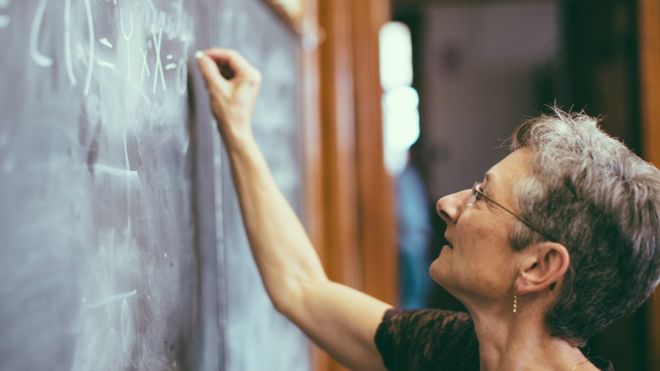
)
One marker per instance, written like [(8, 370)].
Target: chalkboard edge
[(294, 22)]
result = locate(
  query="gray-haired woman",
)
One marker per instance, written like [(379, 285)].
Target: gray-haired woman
[(558, 240)]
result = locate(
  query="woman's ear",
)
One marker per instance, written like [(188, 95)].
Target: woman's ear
[(543, 265)]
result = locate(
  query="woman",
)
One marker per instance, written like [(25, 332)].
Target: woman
[(559, 239)]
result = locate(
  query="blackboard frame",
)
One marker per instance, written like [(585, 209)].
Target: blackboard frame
[(293, 20)]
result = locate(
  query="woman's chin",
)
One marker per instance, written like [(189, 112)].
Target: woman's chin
[(440, 269), (436, 270)]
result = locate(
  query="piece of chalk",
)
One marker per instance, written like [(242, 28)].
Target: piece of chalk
[(227, 72), (199, 54)]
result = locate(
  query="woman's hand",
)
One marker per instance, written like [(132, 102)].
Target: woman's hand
[(233, 84)]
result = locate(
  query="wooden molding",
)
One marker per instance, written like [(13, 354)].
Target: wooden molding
[(649, 19), (311, 142), (293, 18)]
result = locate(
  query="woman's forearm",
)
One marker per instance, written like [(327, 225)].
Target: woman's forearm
[(284, 255), (281, 248)]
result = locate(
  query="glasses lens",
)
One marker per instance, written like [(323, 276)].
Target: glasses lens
[(473, 196)]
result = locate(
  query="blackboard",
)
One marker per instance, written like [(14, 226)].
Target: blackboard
[(122, 246)]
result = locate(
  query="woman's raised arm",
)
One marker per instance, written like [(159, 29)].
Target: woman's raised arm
[(341, 320)]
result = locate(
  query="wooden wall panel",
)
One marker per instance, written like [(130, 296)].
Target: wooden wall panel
[(311, 135), (357, 241), (338, 144), (649, 13), (378, 226), (339, 252)]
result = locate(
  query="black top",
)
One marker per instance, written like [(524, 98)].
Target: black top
[(433, 339)]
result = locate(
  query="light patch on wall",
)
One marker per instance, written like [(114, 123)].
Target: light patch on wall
[(400, 100), (395, 55)]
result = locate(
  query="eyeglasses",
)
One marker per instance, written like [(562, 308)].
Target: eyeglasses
[(477, 192)]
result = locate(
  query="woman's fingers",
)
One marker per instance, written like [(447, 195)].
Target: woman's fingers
[(231, 64), (210, 71), (233, 84)]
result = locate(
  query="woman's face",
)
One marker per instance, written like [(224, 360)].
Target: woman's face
[(479, 266)]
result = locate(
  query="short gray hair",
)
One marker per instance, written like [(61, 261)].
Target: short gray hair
[(602, 202)]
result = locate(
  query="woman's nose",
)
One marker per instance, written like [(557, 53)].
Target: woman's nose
[(451, 206)]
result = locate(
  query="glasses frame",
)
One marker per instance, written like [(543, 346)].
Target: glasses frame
[(476, 190)]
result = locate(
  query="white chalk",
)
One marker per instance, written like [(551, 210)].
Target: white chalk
[(106, 64), (105, 42), (111, 170), (199, 54)]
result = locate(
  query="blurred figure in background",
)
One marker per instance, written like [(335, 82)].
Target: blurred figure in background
[(414, 234)]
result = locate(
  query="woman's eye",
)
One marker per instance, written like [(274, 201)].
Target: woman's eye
[(476, 193)]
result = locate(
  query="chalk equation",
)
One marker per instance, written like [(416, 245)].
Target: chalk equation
[(144, 32)]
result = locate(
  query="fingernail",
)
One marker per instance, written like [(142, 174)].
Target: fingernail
[(199, 54)]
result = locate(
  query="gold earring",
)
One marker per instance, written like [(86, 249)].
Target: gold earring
[(515, 302)]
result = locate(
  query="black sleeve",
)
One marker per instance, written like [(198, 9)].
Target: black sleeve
[(427, 339)]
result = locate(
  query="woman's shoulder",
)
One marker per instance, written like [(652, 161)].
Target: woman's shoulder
[(426, 321), (426, 339), (434, 339)]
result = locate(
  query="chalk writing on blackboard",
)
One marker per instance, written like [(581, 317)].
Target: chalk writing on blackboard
[(67, 42), (80, 52), (158, 69), (38, 58)]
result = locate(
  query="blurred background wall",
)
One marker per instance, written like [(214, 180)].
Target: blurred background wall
[(397, 121), (483, 67)]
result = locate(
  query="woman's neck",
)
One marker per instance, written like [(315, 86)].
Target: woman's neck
[(520, 341)]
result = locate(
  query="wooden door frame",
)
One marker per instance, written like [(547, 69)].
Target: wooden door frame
[(649, 34), (349, 199)]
